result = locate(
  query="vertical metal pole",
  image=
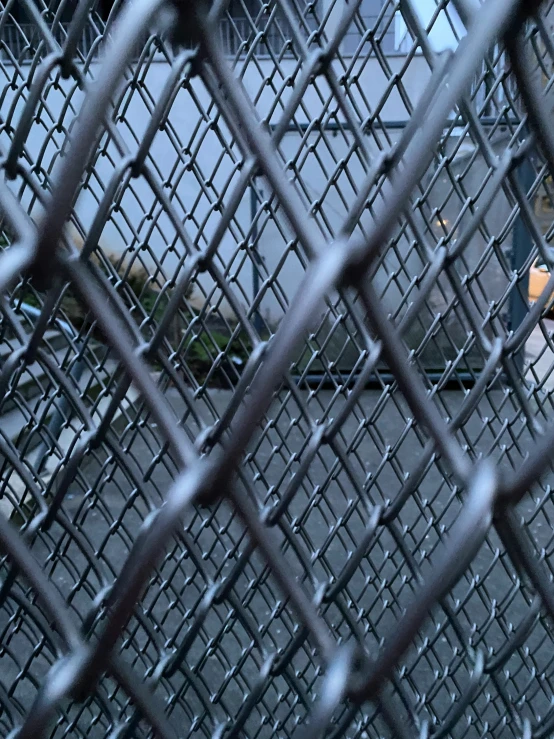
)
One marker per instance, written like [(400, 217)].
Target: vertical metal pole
[(521, 248), (257, 319)]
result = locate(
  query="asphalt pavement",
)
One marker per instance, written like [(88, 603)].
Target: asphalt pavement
[(251, 627)]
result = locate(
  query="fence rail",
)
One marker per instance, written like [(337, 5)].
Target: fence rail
[(275, 430), (20, 41)]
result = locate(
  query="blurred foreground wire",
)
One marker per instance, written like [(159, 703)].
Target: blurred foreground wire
[(274, 457)]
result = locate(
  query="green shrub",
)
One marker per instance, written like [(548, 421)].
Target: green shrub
[(202, 350), (146, 303)]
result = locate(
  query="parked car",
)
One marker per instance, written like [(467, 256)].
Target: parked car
[(539, 274)]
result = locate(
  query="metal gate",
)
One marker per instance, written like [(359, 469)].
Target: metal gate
[(275, 433)]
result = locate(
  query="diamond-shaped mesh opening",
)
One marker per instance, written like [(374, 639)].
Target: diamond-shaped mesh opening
[(276, 369)]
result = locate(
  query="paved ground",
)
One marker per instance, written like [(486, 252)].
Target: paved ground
[(328, 518)]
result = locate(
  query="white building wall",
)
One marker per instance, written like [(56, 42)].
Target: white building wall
[(195, 161)]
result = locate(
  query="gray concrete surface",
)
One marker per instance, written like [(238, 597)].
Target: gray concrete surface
[(325, 522)]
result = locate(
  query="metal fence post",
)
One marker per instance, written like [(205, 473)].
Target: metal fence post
[(256, 318), (521, 248)]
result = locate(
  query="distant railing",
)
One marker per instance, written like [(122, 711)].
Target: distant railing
[(22, 41), (239, 34)]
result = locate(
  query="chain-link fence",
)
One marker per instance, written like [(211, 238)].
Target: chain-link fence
[(276, 369)]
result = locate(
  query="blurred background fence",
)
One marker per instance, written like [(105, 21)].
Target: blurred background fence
[(276, 368)]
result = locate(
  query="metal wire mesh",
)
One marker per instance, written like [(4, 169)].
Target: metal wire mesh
[(275, 412)]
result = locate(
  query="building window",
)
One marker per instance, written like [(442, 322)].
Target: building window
[(263, 24), (21, 38), (440, 23), (373, 28)]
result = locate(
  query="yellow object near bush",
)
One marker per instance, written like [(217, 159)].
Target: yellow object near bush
[(538, 277)]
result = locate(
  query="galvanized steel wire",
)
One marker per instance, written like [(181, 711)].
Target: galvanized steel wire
[(215, 604)]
